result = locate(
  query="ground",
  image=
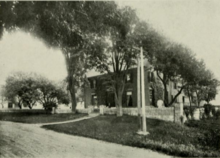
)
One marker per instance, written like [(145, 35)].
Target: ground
[(27, 117), (28, 140)]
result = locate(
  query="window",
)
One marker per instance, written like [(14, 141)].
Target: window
[(91, 83), (10, 105), (129, 99), (94, 83)]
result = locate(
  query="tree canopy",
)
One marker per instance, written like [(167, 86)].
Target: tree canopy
[(101, 35), (27, 89)]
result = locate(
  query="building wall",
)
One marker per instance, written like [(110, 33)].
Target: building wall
[(104, 97)]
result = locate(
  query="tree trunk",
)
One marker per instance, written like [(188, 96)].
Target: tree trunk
[(197, 97), (30, 107), (19, 104), (163, 80), (175, 97), (165, 94), (72, 94), (118, 101)]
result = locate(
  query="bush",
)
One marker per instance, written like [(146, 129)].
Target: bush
[(189, 111), (208, 108), (211, 138), (210, 130), (49, 106), (217, 114)]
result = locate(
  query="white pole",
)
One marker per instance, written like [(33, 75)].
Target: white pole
[(143, 94), (139, 93)]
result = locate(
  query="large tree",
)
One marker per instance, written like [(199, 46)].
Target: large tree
[(70, 26), (173, 63), (204, 88), (117, 51)]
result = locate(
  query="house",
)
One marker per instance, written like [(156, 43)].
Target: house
[(98, 94)]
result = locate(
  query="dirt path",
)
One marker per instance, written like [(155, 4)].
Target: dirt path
[(26, 141)]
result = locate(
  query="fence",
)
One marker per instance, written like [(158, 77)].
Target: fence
[(168, 114)]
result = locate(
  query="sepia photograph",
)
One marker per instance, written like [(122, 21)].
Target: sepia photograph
[(110, 79)]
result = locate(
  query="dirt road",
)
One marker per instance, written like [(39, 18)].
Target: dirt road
[(26, 141)]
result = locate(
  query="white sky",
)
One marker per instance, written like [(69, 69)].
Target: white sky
[(195, 24), (20, 51)]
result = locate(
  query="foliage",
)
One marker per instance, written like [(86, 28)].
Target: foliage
[(50, 95), (32, 88), (211, 130), (103, 39), (205, 88), (117, 55), (189, 111), (207, 109), (210, 109), (71, 26), (175, 140), (20, 89)]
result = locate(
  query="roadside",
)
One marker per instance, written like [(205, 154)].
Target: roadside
[(27, 140)]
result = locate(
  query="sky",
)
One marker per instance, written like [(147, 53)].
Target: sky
[(195, 24)]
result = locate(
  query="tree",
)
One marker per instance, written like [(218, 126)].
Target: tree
[(50, 94), (70, 26), (20, 89), (116, 54), (174, 63), (27, 89), (204, 89)]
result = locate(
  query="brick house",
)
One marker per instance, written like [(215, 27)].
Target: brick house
[(97, 93)]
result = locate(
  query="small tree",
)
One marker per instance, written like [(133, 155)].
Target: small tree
[(20, 89), (50, 94), (27, 89)]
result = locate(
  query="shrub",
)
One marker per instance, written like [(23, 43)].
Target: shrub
[(217, 114), (208, 109), (189, 111), (210, 130), (211, 138), (49, 106)]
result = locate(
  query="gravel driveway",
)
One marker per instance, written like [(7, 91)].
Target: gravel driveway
[(26, 140)]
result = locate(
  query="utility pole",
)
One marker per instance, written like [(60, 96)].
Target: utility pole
[(144, 125), (143, 131), (139, 93), (143, 94)]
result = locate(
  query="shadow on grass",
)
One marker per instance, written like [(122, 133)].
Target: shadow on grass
[(166, 137), (34, 118)]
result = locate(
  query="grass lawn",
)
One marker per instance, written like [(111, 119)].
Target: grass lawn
[(38, 118), (165, 137)]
